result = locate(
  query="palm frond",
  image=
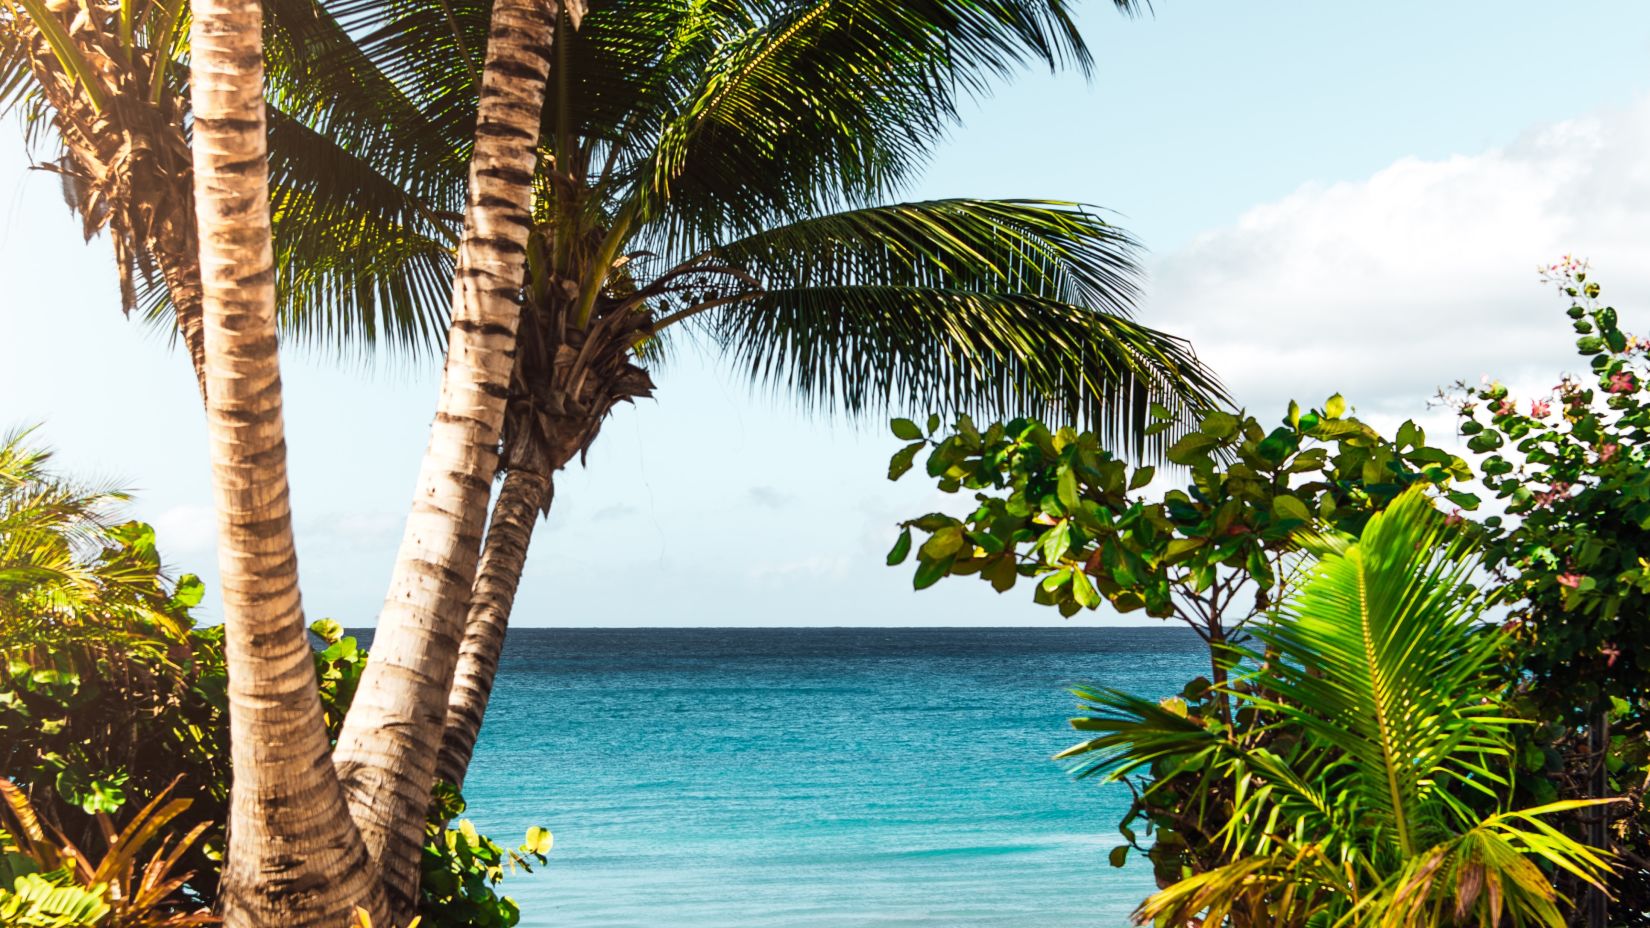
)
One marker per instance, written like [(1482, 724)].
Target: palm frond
[(1380, 656), (985, 307), (1042, 248), (870, 348), (364, 261), (830, 103)]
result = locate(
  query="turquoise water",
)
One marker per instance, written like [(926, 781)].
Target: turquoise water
[(762, 778)]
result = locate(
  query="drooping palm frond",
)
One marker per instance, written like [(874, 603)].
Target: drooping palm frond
[(362, 180), (425, 54), (1134, 732), (1042, 248), (361, 261), (978, 306)]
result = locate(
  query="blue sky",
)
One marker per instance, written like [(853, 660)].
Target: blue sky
[(1336, 197)]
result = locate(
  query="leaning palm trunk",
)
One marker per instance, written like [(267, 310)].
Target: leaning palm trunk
[(566, 381), (126, 160), (521, 498), (295, 858), (386, 752)]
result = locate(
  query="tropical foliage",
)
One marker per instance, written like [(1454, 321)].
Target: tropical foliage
[(49, 881), (108, 692), (1058, 507), (1376, 791), (1285, 790), (1569, 466), (112, 709)]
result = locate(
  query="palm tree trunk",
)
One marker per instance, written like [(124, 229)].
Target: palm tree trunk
[(561, 410), (523, 497), (295, 859), (386, 752)]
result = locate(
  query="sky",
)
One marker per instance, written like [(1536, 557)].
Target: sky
[(1335, 197)]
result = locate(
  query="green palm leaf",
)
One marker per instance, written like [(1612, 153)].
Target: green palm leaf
[(979, 306), (1383, 657), (1386, 801)]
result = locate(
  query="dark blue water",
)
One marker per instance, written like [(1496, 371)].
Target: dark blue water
[(812, 777)]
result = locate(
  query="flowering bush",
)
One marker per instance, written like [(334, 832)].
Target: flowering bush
[(1570, 468), (1572, 557)]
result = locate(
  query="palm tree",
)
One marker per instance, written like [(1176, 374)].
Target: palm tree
[(295, 856), (1380, 794), (386, 750), (700, 181), (724, 169), (364, 236)]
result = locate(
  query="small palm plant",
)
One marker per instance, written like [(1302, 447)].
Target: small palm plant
[(1374, 788), (51, 883)]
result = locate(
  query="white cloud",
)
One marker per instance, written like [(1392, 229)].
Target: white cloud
[(1423, 274)]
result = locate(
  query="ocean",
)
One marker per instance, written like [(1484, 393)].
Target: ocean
[(785, 778)]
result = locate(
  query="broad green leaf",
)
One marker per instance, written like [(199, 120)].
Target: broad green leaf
[(189, 591), (1220, 424), (1142, 476), (901, 548), (1057, 542), (1334, 407), (929, 573), (1290, 507), (1191, 449), (1083, 591), (943, 543), (906, 430), (1057, 579), (1067, 488), (1002, 573), (903, 459)]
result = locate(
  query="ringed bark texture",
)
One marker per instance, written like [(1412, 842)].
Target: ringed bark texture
[(565, 383), (295, 859), (523, 497), (387, 750)]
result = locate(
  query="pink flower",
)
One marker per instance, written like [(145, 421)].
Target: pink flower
[(1557, 492), (1454, 518), (1540, 408), (1507, 408), (1623, 382), (1612, 652), (1569, 580), (1608, 450)]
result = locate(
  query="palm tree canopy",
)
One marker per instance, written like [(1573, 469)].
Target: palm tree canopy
[(364, 238), (730, 166), (765, 138)]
